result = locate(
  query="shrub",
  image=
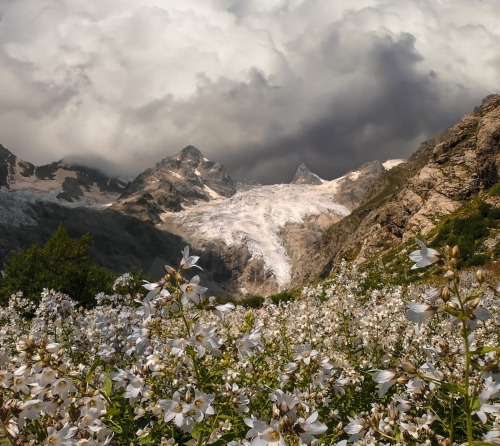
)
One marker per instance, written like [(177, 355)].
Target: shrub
[(62, 264), (468, 232)]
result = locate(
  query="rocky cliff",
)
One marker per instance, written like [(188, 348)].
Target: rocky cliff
[(444, 173)]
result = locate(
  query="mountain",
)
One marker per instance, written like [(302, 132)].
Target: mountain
[(253, 238), (445, 180), (176, 182), (305, 176), (58, 182), (255, 241)]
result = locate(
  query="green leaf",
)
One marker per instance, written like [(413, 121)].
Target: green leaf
[(108, 386), (91, 372), (453, 387), (486, 349)]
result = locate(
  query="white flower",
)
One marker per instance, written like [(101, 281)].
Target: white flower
[(62, 387), (305, 353), (192, 291), (187, 260), (424, 256), (420, 313), (356, 428), (310, 427), (248, 343), (386, 379), (492, 437), (5, 378), (202, 404), (204, 339), (175, 410), (284, 403), (221, 310), (263, 434), (62, 437)]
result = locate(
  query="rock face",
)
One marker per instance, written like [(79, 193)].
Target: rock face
[(354, 185), (174, 183), (305, 176), (445, 172)]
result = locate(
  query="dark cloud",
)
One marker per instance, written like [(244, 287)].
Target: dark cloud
[(259, 86)]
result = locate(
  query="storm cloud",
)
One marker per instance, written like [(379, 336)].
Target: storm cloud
[(259, 86)]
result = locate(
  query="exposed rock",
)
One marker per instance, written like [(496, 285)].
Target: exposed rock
[(445, 172), (176, 182), (305, 176), (353, 186)]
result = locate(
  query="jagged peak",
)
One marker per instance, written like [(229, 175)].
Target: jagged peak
[(190, 152), (304, 176)]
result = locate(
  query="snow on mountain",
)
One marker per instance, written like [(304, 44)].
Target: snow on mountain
[(389, 164), (256, 217)]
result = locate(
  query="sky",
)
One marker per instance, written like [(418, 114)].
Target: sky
[(260, 86)]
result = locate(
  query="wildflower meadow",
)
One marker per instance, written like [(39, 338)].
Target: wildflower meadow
[(409, 365)]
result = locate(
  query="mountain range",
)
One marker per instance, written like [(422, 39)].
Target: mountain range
[(252, 238)]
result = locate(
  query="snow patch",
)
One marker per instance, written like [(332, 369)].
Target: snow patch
[(212, 194), (197, 172), (389, 164), (177, 175), (354, 175)]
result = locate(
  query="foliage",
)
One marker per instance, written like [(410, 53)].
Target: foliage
[(468, 231), (62, 264), (285, 296)]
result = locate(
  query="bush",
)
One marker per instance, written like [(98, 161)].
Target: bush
[(468, 232), (62, 264)]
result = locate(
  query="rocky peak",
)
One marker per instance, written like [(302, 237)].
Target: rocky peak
[(190, 154), (176, 182), (305, 176)]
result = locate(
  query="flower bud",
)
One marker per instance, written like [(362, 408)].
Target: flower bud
[(402, 379), (444, 346), (449, 274), (408, 367), (474, 303), (447, 251), (480, 276), (445, 294)]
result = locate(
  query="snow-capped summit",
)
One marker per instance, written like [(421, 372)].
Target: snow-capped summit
[(60, 182)]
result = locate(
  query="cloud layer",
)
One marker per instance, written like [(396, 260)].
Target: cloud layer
[(259, 86)]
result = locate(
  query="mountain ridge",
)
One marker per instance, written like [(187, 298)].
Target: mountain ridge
[(445, 172), (177, 201)]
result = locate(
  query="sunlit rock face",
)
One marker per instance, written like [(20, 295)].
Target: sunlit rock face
[(443, 174), (305, 176)]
